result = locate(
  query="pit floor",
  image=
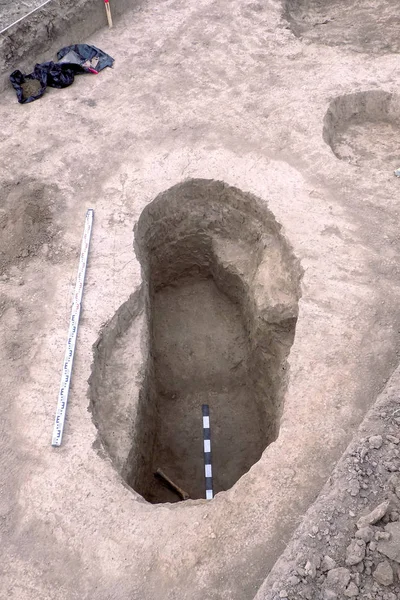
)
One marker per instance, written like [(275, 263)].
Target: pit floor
[(200, 353), (217, 90)]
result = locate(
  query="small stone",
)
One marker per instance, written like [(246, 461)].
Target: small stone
[(374, 516), (382, 535), (394, 515), (315, 529), (327, 564), (373, 546), (383, 573), (310, 569), (351, 513), (355, 552), (301, 571), (366, 534), (311, 566), (4, 277), (283, 594), (393, 439), (213, 536), (20, 281), (351, 591), (293, 580), (338, 579), (375, 441), (330, 595)]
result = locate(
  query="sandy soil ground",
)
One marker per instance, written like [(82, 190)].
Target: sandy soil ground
[(217, 90)]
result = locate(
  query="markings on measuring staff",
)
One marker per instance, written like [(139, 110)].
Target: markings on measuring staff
[(72, 333), (207, 451)]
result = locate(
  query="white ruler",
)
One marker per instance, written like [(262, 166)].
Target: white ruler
[(72, 333)]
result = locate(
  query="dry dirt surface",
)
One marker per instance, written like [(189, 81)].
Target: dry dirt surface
[(12, 11), (244, 251), (26, 220)]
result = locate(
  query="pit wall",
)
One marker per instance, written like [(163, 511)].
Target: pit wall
[(370, 106), (202, 228), (37, 37)]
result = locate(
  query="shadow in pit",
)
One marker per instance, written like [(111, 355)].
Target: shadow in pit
[(218, 305)]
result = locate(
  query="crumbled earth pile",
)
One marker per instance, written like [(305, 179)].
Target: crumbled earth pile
[(349, 546)]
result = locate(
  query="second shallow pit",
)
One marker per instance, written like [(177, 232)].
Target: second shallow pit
[(219, 299), (363, 129)]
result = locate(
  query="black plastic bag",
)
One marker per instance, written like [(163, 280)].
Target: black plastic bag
[(79, 58), (88, 57), (46, 74), (59, 76)]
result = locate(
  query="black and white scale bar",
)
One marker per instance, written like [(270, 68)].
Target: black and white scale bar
[(72, 333), (207, 452)]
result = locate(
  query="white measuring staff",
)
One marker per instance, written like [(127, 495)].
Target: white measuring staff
[(72, 333)]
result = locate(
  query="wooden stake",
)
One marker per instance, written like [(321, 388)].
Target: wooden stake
[(108, 13)]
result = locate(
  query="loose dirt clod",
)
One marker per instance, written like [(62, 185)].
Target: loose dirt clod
[(30, 87), (374, 516), (384, 573)]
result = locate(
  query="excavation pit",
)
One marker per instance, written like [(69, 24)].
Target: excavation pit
[(363, 129), (361, 25), (217, 312)]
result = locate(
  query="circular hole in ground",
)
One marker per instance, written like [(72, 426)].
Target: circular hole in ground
[(363, 25), (363, 129), (220, 301)]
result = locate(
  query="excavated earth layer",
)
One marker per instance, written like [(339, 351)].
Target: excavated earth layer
[(220, 292), (361, 25)]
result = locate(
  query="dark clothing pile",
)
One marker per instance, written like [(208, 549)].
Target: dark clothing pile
[(72, 60)]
